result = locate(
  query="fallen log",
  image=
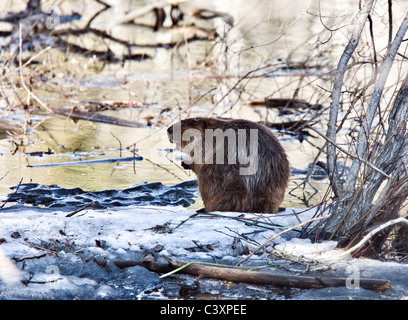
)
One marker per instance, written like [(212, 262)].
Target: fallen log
[(255, 277), (284, 103), (290, 127), (75, 114), (297, 125)]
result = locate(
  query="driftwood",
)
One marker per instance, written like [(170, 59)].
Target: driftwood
[(255, 277), (284, 103), (296, 127), (96, 117)]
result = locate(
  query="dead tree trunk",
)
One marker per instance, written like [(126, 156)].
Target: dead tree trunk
[(359, 201)]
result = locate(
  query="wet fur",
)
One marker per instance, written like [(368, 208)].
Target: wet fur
[(221, 186)]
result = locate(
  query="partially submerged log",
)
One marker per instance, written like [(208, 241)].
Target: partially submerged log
[(96, 117), (256, 277), (285, 103), (298, 125), (295, 127)]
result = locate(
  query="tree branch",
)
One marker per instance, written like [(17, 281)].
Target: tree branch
[(254, 277), (362, 139), (369, 235), (350, 154), (336, 94)]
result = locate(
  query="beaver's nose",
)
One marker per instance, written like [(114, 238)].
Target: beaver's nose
[(170, 130)]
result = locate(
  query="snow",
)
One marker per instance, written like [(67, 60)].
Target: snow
[(64, 250), (305, 248), (127, 229)]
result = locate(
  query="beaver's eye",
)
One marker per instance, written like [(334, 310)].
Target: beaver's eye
[(184, 126)]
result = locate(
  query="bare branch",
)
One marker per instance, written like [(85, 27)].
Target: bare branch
[(368, 236), (374, 102), (350, 154), (336, 93)]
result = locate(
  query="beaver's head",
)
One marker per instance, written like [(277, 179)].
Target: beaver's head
[(215, 141), (194, 125)]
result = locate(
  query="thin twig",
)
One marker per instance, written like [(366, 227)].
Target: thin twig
[(350, 154), (18, 186), (80, 209), (362, 140), (27, 62), (30, 94)]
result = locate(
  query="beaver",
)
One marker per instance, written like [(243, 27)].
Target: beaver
[(240, 164)]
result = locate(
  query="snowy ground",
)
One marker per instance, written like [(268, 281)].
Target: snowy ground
[(61, 257)]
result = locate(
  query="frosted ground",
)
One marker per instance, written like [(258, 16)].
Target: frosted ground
[(60, 257)]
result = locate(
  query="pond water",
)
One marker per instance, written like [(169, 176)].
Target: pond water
[(180, 79)]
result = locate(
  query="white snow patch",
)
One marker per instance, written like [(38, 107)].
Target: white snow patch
[(305, 248), (132, 228)]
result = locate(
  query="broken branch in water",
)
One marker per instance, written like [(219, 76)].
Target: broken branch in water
[(86, 162), (290, 127), (96, 117), (253, 277), (284, 103)]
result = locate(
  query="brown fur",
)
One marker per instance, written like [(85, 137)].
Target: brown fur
[(221, 186)]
